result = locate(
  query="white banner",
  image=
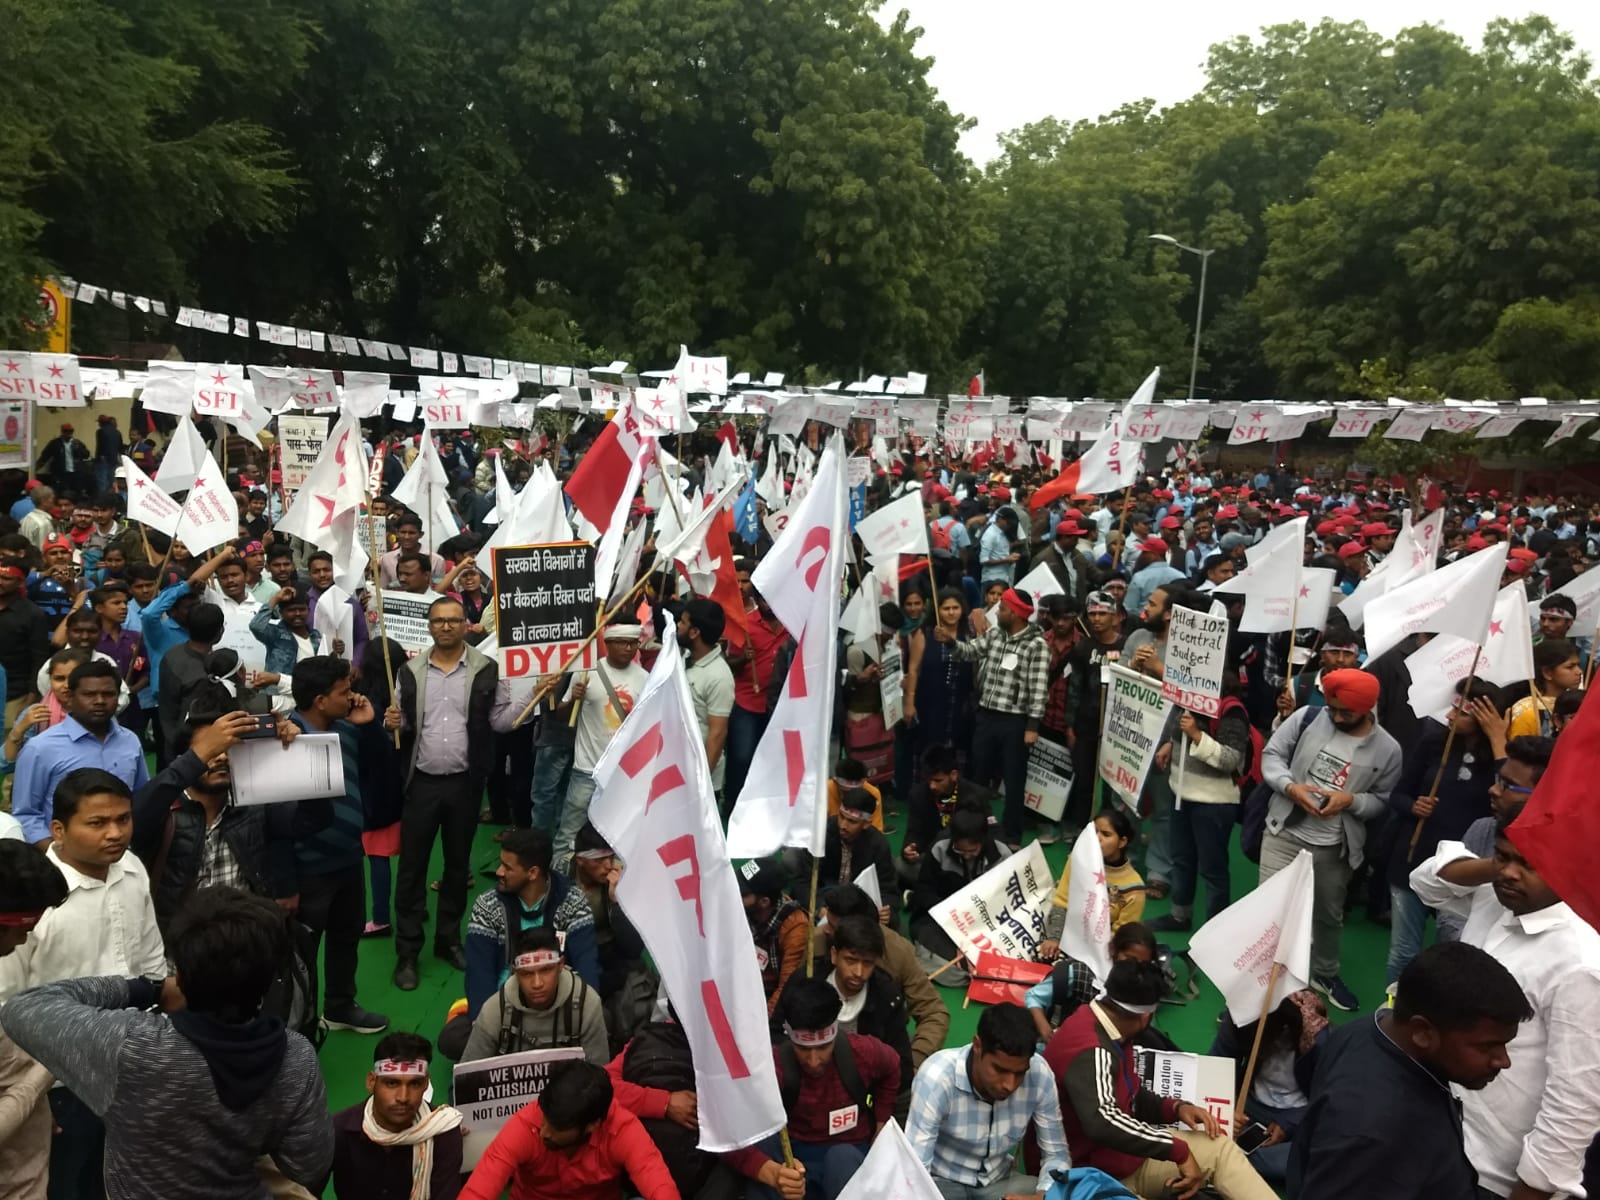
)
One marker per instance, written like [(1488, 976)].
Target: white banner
[(679, 890), (300, 440), (1196, 654), (891, 684), (1003, 909), (1086, 930), (405, 618), (1136, 710), (488, 1092), (1204, 1080), (891, 1171), (1049, 780)]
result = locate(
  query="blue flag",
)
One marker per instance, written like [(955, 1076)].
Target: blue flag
[(745, 521)]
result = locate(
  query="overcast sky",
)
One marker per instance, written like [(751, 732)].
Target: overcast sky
[(1009, 62)]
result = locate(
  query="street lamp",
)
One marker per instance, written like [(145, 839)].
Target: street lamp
[(1200, 303)]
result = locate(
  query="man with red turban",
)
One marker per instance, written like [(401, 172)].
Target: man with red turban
[(1330, 770)]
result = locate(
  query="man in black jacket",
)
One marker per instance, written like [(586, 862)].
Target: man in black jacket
[(851, 845), (1382, 1119), (930, 805), (187, 834), (874, 1005)]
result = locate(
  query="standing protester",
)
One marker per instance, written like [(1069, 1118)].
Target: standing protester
[(24, 641), (1011, 699), (183, 666), (1330, 770), (446, 698), (392, 1143), (604, 697), (195, 1095), (709, 677)]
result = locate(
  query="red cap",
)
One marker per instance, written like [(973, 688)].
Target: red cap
[(1154, 546), (1000, 493), (1069, 528), (1518, 566), (1227, 512), (1375, 529), (1351, 549), (1476, 543), (1171, 523), (1523, 553), (57, 541)]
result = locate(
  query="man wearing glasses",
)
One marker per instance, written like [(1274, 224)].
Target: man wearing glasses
[(447, 700), (1330, 771)]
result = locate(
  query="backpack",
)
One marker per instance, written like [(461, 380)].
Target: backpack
[(939, 538), (1253, 811), (292, 998), (1086, 1183), (659, 1057), (1251, 775), (844, 1061), (569, 1021)]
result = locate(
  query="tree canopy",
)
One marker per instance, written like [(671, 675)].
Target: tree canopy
[(778, 180)]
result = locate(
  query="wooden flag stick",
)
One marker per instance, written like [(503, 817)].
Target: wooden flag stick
[(543, 689), (811, 927), (377, 595), (1242, 1101), (1444, 757), (947, 966)]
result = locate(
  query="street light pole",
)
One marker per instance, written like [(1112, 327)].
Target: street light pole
[(1200, 300)]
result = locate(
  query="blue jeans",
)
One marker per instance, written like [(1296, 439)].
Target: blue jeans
[(1408, 924), (1272, 1162), (574, 812), (828, 1168), (550, 767), (1200, 835), (744, 734), (1158, 851)]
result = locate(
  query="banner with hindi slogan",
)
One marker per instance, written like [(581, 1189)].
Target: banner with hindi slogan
[(490, 1091), (1136, 710), (1003, 909), (300, 440), (545, 608), (1196, 653)]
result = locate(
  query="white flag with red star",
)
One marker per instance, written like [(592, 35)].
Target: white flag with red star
[(181, 462), (1086, 932), (897, 528), (1505, 656), (210, 513), (781, 804), (147, 503), (48, 379), (335, 485)]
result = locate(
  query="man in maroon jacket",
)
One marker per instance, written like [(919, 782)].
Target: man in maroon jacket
[(1115, 1123)]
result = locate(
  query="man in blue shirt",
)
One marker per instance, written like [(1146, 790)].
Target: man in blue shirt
[(1154, 571), (88, 737)]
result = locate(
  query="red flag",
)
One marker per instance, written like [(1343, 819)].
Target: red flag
[(997, 979), (726, 592), (1556, 829), (597, 481), (975, 388), (729, 434)]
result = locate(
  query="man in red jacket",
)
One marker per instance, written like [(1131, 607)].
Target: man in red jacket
[(573, 1143), (1115, 1123)]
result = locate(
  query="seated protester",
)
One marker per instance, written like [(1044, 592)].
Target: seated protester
[(595, 872), (967, 850), (871, 1003), (575, 1142), (1567, 706), (1114, 1123), (971, 1106), (851, 845), (1126, 889), (187, 832), (1281, 1086), (527, 894), (839, 1088), (929, 1014), (778, 924), (1071, 984), (544, 1005), (248, 1087), (932, 802), (30, 885), (1383, 1120), (392, 1144), (653, 1078), (852, 773)]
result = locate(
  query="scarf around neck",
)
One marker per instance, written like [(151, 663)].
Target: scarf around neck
[(430, 1123)]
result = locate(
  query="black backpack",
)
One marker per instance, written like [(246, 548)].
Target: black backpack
[(658, 1056), (292, 998), (844, 1061)]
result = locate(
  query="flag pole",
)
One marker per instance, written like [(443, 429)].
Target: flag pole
[(1444, 757), (1243, 1098), (543, 689), (377, 595), (811, 926)]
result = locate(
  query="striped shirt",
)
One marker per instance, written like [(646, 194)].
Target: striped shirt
[(962, 1137), (1016, 669)]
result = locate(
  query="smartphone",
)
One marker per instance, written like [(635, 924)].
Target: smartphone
[(1251, 1136), (266, 727)]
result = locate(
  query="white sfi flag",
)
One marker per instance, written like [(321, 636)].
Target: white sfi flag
[(181, 460), (654, 805), (781, 804), (1454, 599), (891, 1171), (897, 528), (425, 491), (1505, 657), (1272, 924), (1086, 932), (210, 514), (147, 503), (335, 485)]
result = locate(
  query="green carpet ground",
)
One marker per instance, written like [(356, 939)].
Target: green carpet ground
[(346, 1057)]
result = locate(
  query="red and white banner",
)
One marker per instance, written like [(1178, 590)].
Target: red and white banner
[(781, 804), (1457, 599), (601, 475), (147, 503), (335, 485), (210, 513), (1086, 932), (1003, 909), (1238, 947), (654, 806)]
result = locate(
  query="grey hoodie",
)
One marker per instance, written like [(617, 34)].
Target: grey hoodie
[(1287, 759)]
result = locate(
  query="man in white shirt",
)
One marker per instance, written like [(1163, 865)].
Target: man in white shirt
[(1528, 1131), (709, 677), (230, 591), (105, 926), (604, 696)]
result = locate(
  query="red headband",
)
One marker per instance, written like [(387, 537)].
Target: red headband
[(19, 920), (1016, 603)]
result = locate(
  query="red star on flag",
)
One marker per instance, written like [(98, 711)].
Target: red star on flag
[(1257, 415), (327, 516), (1304, 591), (443, 393), (1149, 414), (1496, 628), (308, 382), (55, 370), (13, 366), (1099, 876), (198, 484), (219, 378), (141, 483)]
